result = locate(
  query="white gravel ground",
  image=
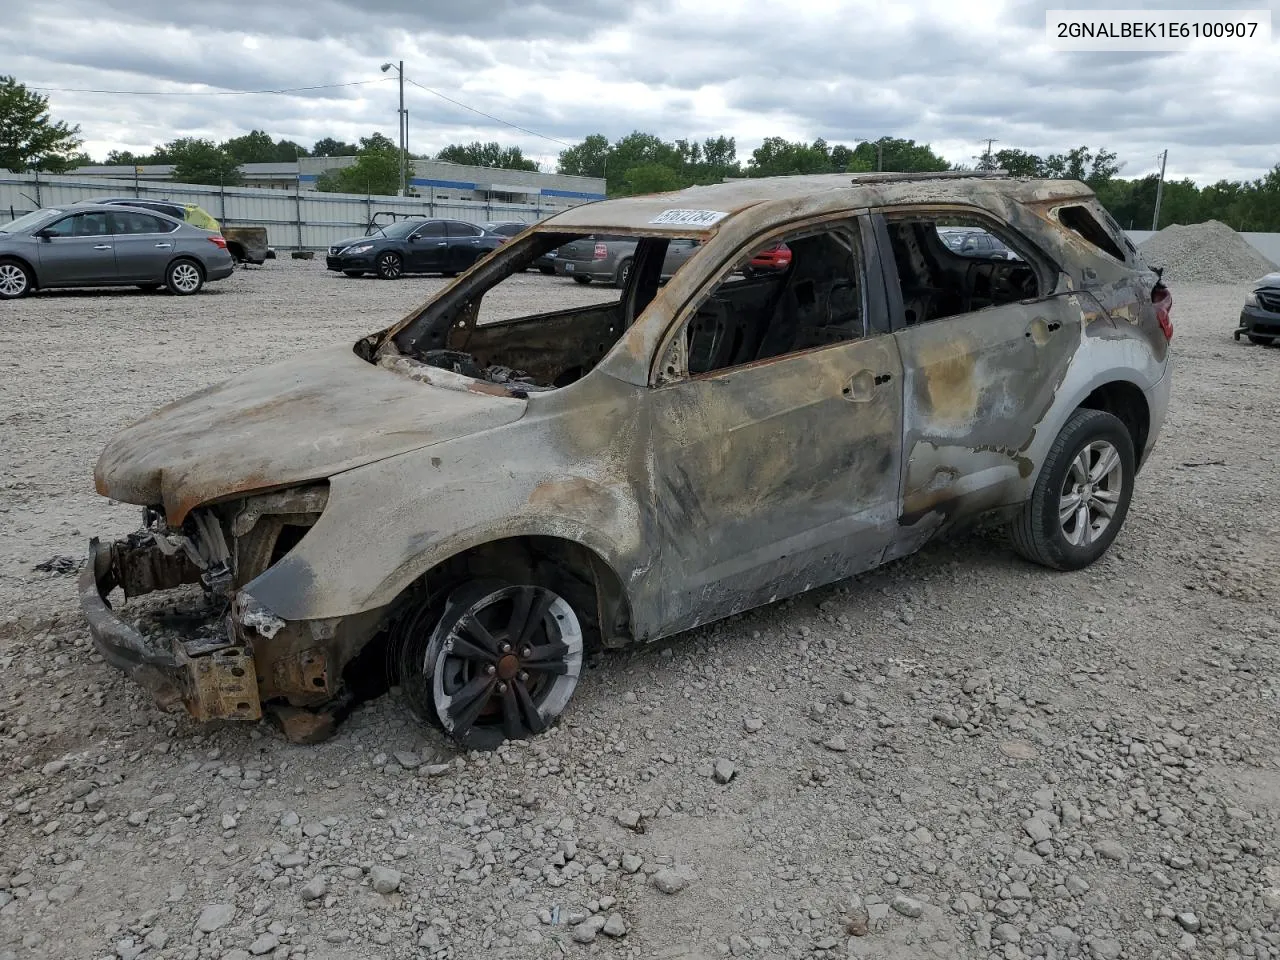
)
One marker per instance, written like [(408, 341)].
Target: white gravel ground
[(957, 756)]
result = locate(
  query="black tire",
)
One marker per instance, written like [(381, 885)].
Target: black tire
[(390, 265), (184, 277), (1040, 532), (582, 280), (353, 273), (16, 280), (1260, 341), (149, 287), (623, 274)]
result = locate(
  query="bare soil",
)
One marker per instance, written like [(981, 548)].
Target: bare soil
[(959, 755)]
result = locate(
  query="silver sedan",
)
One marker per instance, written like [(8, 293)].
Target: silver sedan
[(96, 245)]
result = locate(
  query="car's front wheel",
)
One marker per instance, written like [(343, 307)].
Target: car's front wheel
[(1082, 495), (15, 280), (500, 663), (390, 266), (184, 277)]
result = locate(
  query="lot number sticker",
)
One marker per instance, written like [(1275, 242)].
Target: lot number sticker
[(690, 218)]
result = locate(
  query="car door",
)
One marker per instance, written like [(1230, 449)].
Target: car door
[(779, 471), (977, 381), (144, 245), (77, 250), (678, 251), (428, 248), (465, 246)]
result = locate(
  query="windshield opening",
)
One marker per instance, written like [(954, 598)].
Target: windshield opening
[(588, 287), (29, 220)]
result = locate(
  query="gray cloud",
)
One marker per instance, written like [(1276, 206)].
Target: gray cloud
[(948, 73)]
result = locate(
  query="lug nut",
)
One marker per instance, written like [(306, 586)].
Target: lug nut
[(506, 648), (523, 676), (502, 688), (491, 669), (527, 652)]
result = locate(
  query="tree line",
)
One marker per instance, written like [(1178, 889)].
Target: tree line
[(642, 163)]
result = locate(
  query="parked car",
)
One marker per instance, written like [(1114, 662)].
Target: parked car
[(772, 259), (413, 246), (547, 262), (103, 245), (974, 243), (610, 258), (481, 501), (1260, 317), (507, 228), (245, 244)]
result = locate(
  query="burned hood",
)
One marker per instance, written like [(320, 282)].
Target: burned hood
[(306, 418)]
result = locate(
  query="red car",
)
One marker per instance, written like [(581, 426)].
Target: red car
[(772, 259)]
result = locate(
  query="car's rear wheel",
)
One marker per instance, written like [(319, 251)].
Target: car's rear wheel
[(184, 277), (1082, 495), (624, 273), (390, 266), (582, 280), (353, 273), (15, 280), (501, 662)]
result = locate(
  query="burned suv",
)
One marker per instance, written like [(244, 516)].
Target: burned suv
[(477, 498)]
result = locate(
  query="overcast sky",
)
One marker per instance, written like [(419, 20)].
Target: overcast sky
[(947, 72)]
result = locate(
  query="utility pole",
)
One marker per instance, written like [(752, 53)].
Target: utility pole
[(987, 162), (1155, 218), (402, 122), (879, 156)]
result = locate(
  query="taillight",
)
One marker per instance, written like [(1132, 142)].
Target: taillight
[(1163, 300), (218, 241), (601, 252)]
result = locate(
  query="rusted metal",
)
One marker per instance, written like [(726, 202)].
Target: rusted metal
[(220, 685), (679, 479)]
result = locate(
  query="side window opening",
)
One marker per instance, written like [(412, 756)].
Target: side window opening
[(488, 334), (1080, 221), (940, 280), (795, 293)]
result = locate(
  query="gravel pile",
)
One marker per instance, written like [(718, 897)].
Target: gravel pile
[(1209, 252), (957, 756)]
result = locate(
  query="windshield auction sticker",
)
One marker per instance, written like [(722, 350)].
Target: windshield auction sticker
[(1137, 30), (690, 218)]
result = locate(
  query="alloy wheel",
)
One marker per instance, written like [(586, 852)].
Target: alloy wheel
[(185, 278), (1091, 493), (13, 280)]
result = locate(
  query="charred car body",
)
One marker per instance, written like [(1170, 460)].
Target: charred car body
[(478, 502)]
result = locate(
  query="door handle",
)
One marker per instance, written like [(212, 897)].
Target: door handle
[(443, 243), (102, 246), (860, 387), (164, 245)]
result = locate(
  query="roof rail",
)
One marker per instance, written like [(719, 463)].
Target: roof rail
[(939, 175)]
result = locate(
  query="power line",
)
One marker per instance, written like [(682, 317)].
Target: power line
[(206, 93), (488, 116)]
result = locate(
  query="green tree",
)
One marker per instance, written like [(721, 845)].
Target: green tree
[(777, 156), (29, 138), (589, 158), (1019, 163), (197, 160), (376, 170), (329, 147), (899, 156), (651, 178), (491, 154), (256, 146)]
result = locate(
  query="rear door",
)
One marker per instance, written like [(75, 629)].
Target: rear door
[(678, 251), (77, 250), (144, 245), (465, 246), (981, 369), (428, 248)]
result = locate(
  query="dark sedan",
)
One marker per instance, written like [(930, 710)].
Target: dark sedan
[(413, 246)]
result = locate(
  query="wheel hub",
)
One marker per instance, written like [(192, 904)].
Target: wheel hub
[(508, 666)]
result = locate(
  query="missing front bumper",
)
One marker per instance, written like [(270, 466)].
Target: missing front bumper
[(212, 677)]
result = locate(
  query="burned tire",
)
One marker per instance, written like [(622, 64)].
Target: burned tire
[(1082, 495), (390, 266), (501, 663), (582, 280), (15, 280), (184, 278)]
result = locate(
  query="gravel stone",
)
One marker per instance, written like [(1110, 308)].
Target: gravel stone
[(215, 916), (906, 906), (313, 889), (1209, 252), (384, 879), (670, 881), (724, 771)]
